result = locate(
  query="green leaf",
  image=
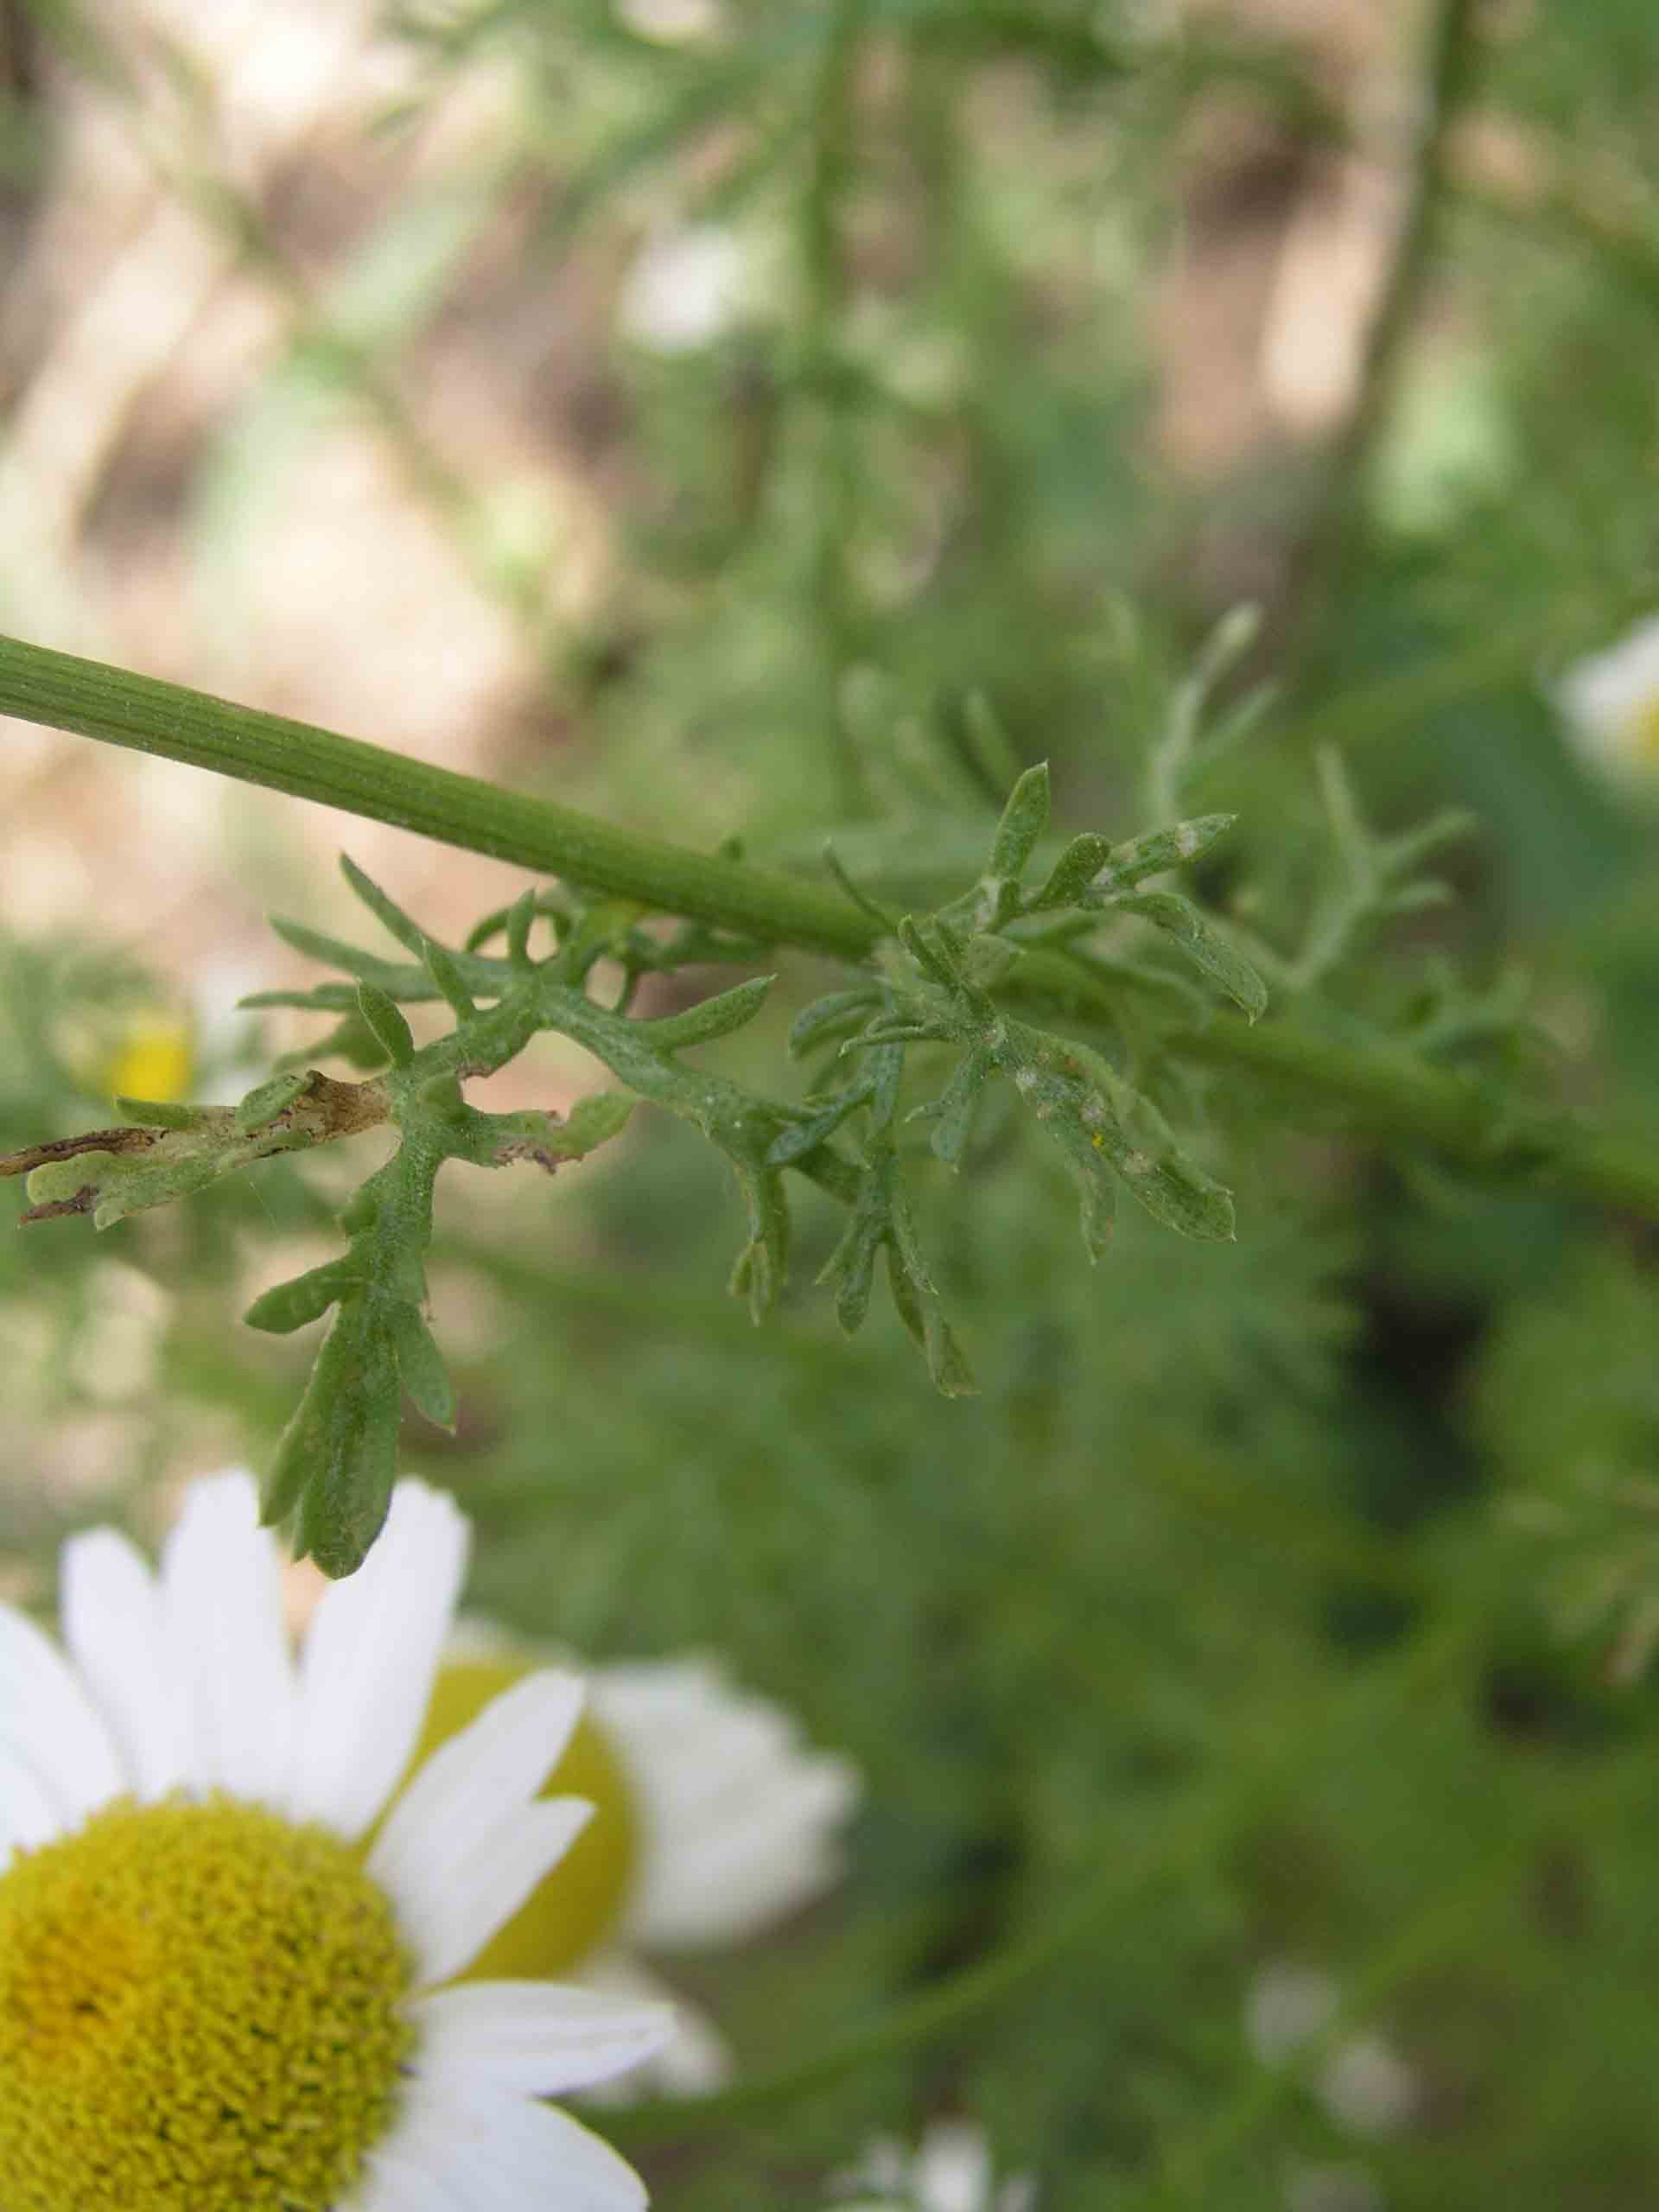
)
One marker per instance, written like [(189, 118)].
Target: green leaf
[(592, 1122), (826, 1019), (267, 1101), (1173, 1188), (1024, 820), (520, 915), (441, 965), (763, 1264), (1160, 849), (715, 1017), (928, 1329), (337, 1459), (333, 952), (163, 1113), (391, 916), (851, 1266), (955, 1108), (988, 962), (1204, 946), (290, 1305), (1068, 1121), (1074, 872), (794, 1143), (391, 1030), (929, 947), (421, 1365)]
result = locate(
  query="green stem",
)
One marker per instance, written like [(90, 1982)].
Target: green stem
[(1396, 1097), (1389, 1096), (148, 715)]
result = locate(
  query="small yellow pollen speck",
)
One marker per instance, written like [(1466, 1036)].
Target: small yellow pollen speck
[(1099, 1141), (154, 1060), (199, 2012), (578, 1903)]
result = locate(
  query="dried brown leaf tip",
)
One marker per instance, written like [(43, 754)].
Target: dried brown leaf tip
[(41, 1155)]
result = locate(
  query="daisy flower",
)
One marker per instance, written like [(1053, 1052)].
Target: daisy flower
[(952, 2171), (227, 1972), (1611, 701), (715, 1822)]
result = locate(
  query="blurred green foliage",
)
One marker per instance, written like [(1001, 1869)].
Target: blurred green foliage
[(1154, 1607)]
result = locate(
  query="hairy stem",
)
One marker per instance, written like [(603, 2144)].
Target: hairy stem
[(1389, 1096), (148, 715)]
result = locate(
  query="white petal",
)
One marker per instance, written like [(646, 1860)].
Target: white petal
[(113, 1626), (538, 2038), (694, 2060), (748, 1867), (27, 1817), (1602, 691), (370, 1658), (221, 1600), (449, 1920), (404, 2173), (497, 2152), (493, 1767), (47, 1719), (953, 2168), (739, 1823)]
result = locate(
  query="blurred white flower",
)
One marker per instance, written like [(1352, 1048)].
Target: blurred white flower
[(1364, 2084), (686, 287), (1611, 701), (715, 1822), (193, 1937), (671, 22), (1287, 2004), (1369, 2088), (952, 2171), (1322, 2186)]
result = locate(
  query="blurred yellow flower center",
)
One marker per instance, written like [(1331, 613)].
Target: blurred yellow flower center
[(199, 2012), (155, 1061), (1644, 733), (578, 1905)]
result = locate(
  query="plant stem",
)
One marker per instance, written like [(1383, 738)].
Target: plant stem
[(148, 715), (1389, 1096)]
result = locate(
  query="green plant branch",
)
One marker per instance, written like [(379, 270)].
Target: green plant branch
[(1394, 1097), (148, 715)]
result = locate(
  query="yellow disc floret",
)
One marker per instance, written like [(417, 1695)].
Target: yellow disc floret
[(199, 2012), (154, 1060), (1644, 734), (578, 1903)]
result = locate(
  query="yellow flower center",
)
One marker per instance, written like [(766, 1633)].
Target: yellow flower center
[(578, 1903), (1644, 733), (155, 1061), (199, 2012)]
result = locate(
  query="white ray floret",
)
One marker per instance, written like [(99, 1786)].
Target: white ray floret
[(180, 1690)]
